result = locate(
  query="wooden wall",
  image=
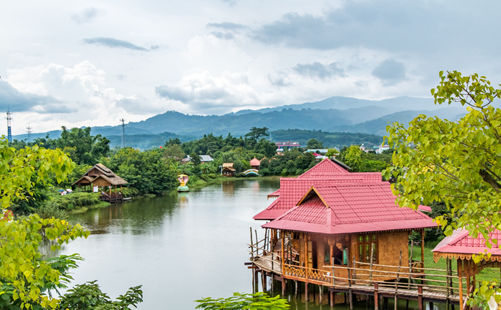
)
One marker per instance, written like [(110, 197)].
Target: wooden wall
[(389, 244)]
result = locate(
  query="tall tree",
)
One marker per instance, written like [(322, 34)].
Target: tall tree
[(457, 163), (314, 144), (255, 133)]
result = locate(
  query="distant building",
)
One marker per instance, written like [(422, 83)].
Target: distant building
[(382, 148), (203, 159), (206, 158), (283, 146), (228, 170), (255, 163), (318, 151)]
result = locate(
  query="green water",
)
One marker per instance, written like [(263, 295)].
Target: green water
[(180, 247)]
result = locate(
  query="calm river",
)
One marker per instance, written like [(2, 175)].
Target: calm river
[(179, 247)]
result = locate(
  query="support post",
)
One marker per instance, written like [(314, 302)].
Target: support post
[(282, 257), (376, 297), (422, 250), (263, 280), (395, 302), (332, 300), (320, 293), (251, 244), (284, 285), (420, 297), (257, 243), (460, 277), (306, 291)]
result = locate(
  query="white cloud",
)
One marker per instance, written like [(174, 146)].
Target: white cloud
[(82, 89)]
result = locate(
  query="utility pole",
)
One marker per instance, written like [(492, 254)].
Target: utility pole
[(9, 126), (28, 129), (123, 132)]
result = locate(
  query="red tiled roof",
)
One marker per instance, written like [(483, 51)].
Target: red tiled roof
[(255, 162), (460, 242), (325, 168), (293, 189), (274, 194), (350, 208)]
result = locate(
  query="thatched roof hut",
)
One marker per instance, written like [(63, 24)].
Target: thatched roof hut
[(100, 175)]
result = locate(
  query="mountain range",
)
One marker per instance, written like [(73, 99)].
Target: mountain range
[(334, 114)]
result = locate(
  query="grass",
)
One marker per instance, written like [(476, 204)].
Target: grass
[(487, 274)]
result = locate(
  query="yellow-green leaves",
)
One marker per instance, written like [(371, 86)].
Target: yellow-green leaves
[(25, 274), (454, 162), (21, 170), (22, 265)]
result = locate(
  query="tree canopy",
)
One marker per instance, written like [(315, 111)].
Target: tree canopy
[(457, 163)]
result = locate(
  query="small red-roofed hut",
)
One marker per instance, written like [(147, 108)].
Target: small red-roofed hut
[(255, 163), (461, 246)]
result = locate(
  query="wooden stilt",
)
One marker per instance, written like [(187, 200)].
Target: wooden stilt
[(376, 297), (395, 301), (332, 300), (295, 288), (460, 278), (257, 242), (320, 293), (420, 297), (306, 291), (284, 284), (263, 281), (256, 280), (251, 244), (253, 281)]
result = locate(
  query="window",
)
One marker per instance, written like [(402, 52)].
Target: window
[(366, 243)]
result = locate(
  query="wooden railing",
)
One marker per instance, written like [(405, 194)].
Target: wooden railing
[(397, 278)]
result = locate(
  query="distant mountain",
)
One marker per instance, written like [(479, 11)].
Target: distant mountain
[(335, 114), (378, 126), (329, 139)]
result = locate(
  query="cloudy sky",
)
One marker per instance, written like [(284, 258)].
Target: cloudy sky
[(84, 63)]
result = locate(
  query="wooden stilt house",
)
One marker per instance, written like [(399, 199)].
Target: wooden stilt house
[(338, 229), (105, 180)]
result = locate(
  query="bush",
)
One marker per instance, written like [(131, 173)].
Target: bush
[(74, 200)]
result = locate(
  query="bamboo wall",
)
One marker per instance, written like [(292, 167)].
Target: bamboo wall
[(313, 249)]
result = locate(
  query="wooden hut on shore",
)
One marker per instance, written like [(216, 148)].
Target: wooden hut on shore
[(461, 247), (227, 170), (102, 178), (342, 231)]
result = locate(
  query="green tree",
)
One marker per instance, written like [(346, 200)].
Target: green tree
[(457, 163), (89, 296), (257, 301), (353, 157), (332, 153), (314, 144), (174, 151), (26, 276), (255, 133), (82, 146)]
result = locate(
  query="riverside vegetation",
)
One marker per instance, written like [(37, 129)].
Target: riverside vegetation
[(154, 172)]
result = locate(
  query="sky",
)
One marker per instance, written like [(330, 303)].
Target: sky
[(89, 63)]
